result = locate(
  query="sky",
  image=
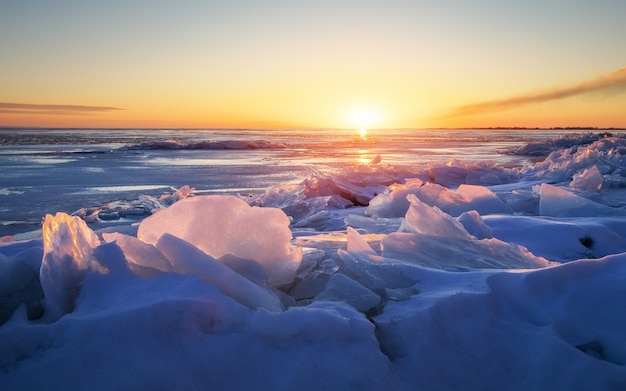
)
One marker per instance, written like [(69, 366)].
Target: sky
[(312, 64)]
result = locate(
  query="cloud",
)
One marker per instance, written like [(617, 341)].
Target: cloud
[(42, 109), (614, 81)]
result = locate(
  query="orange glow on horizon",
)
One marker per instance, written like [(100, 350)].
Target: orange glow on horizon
[(346, 65)]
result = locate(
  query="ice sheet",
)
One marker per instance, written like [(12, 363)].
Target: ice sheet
[(506, 278)]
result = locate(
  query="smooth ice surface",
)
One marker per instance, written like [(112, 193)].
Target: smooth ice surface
[(220, 225)]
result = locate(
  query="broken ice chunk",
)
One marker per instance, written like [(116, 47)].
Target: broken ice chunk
[(220, 225), (356, 243), (342, 288), (458, 253), (139, 255), (188, 259), (248, 268), (374, 271), (68, 255), (478, 198), (558, 202), (475, 225), (589, 179), (430, 220)]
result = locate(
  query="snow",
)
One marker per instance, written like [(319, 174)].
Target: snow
[(463, 276), (556, 328)]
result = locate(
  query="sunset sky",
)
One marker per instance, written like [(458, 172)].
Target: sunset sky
[(313, 64)]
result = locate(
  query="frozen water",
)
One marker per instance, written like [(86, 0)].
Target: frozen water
[(342, 288), (562, 240), (480, 199), (142, 257), (558, 202), (248, 268), (458, 253), (393, 202), (187, 259), (220, 225), (430, 220), (68, 245), (475, 225), (357, 244), (496, 322), (19, 285), (589, 179), (444, 281)]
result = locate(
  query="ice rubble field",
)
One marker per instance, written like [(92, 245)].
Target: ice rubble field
[(459, 276)]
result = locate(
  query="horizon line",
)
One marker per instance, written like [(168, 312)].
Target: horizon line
[(324, 129)]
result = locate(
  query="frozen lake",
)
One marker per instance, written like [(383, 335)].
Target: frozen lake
[(45, 171), (408, 260)]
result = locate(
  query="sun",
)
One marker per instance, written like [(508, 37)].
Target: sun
[(364, 118)]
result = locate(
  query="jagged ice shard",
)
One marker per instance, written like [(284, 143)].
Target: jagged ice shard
[(68, 255)]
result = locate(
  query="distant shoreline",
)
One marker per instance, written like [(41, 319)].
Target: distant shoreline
[(3, 127)]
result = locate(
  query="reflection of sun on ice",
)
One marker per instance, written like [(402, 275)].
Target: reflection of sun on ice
[(363, 119)]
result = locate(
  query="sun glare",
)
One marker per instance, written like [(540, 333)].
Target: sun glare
[(363, 119)]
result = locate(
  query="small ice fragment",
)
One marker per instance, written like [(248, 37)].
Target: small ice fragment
[(310, 286), (430, 220), (479, 198), (342, 288), (374, 271), (356, 243), (589, 179), (475, 225)]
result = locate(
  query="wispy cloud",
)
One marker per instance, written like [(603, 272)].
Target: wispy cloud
[(43, 109), (614, 81)]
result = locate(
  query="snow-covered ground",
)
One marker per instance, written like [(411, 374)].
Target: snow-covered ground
[(459, 275)]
